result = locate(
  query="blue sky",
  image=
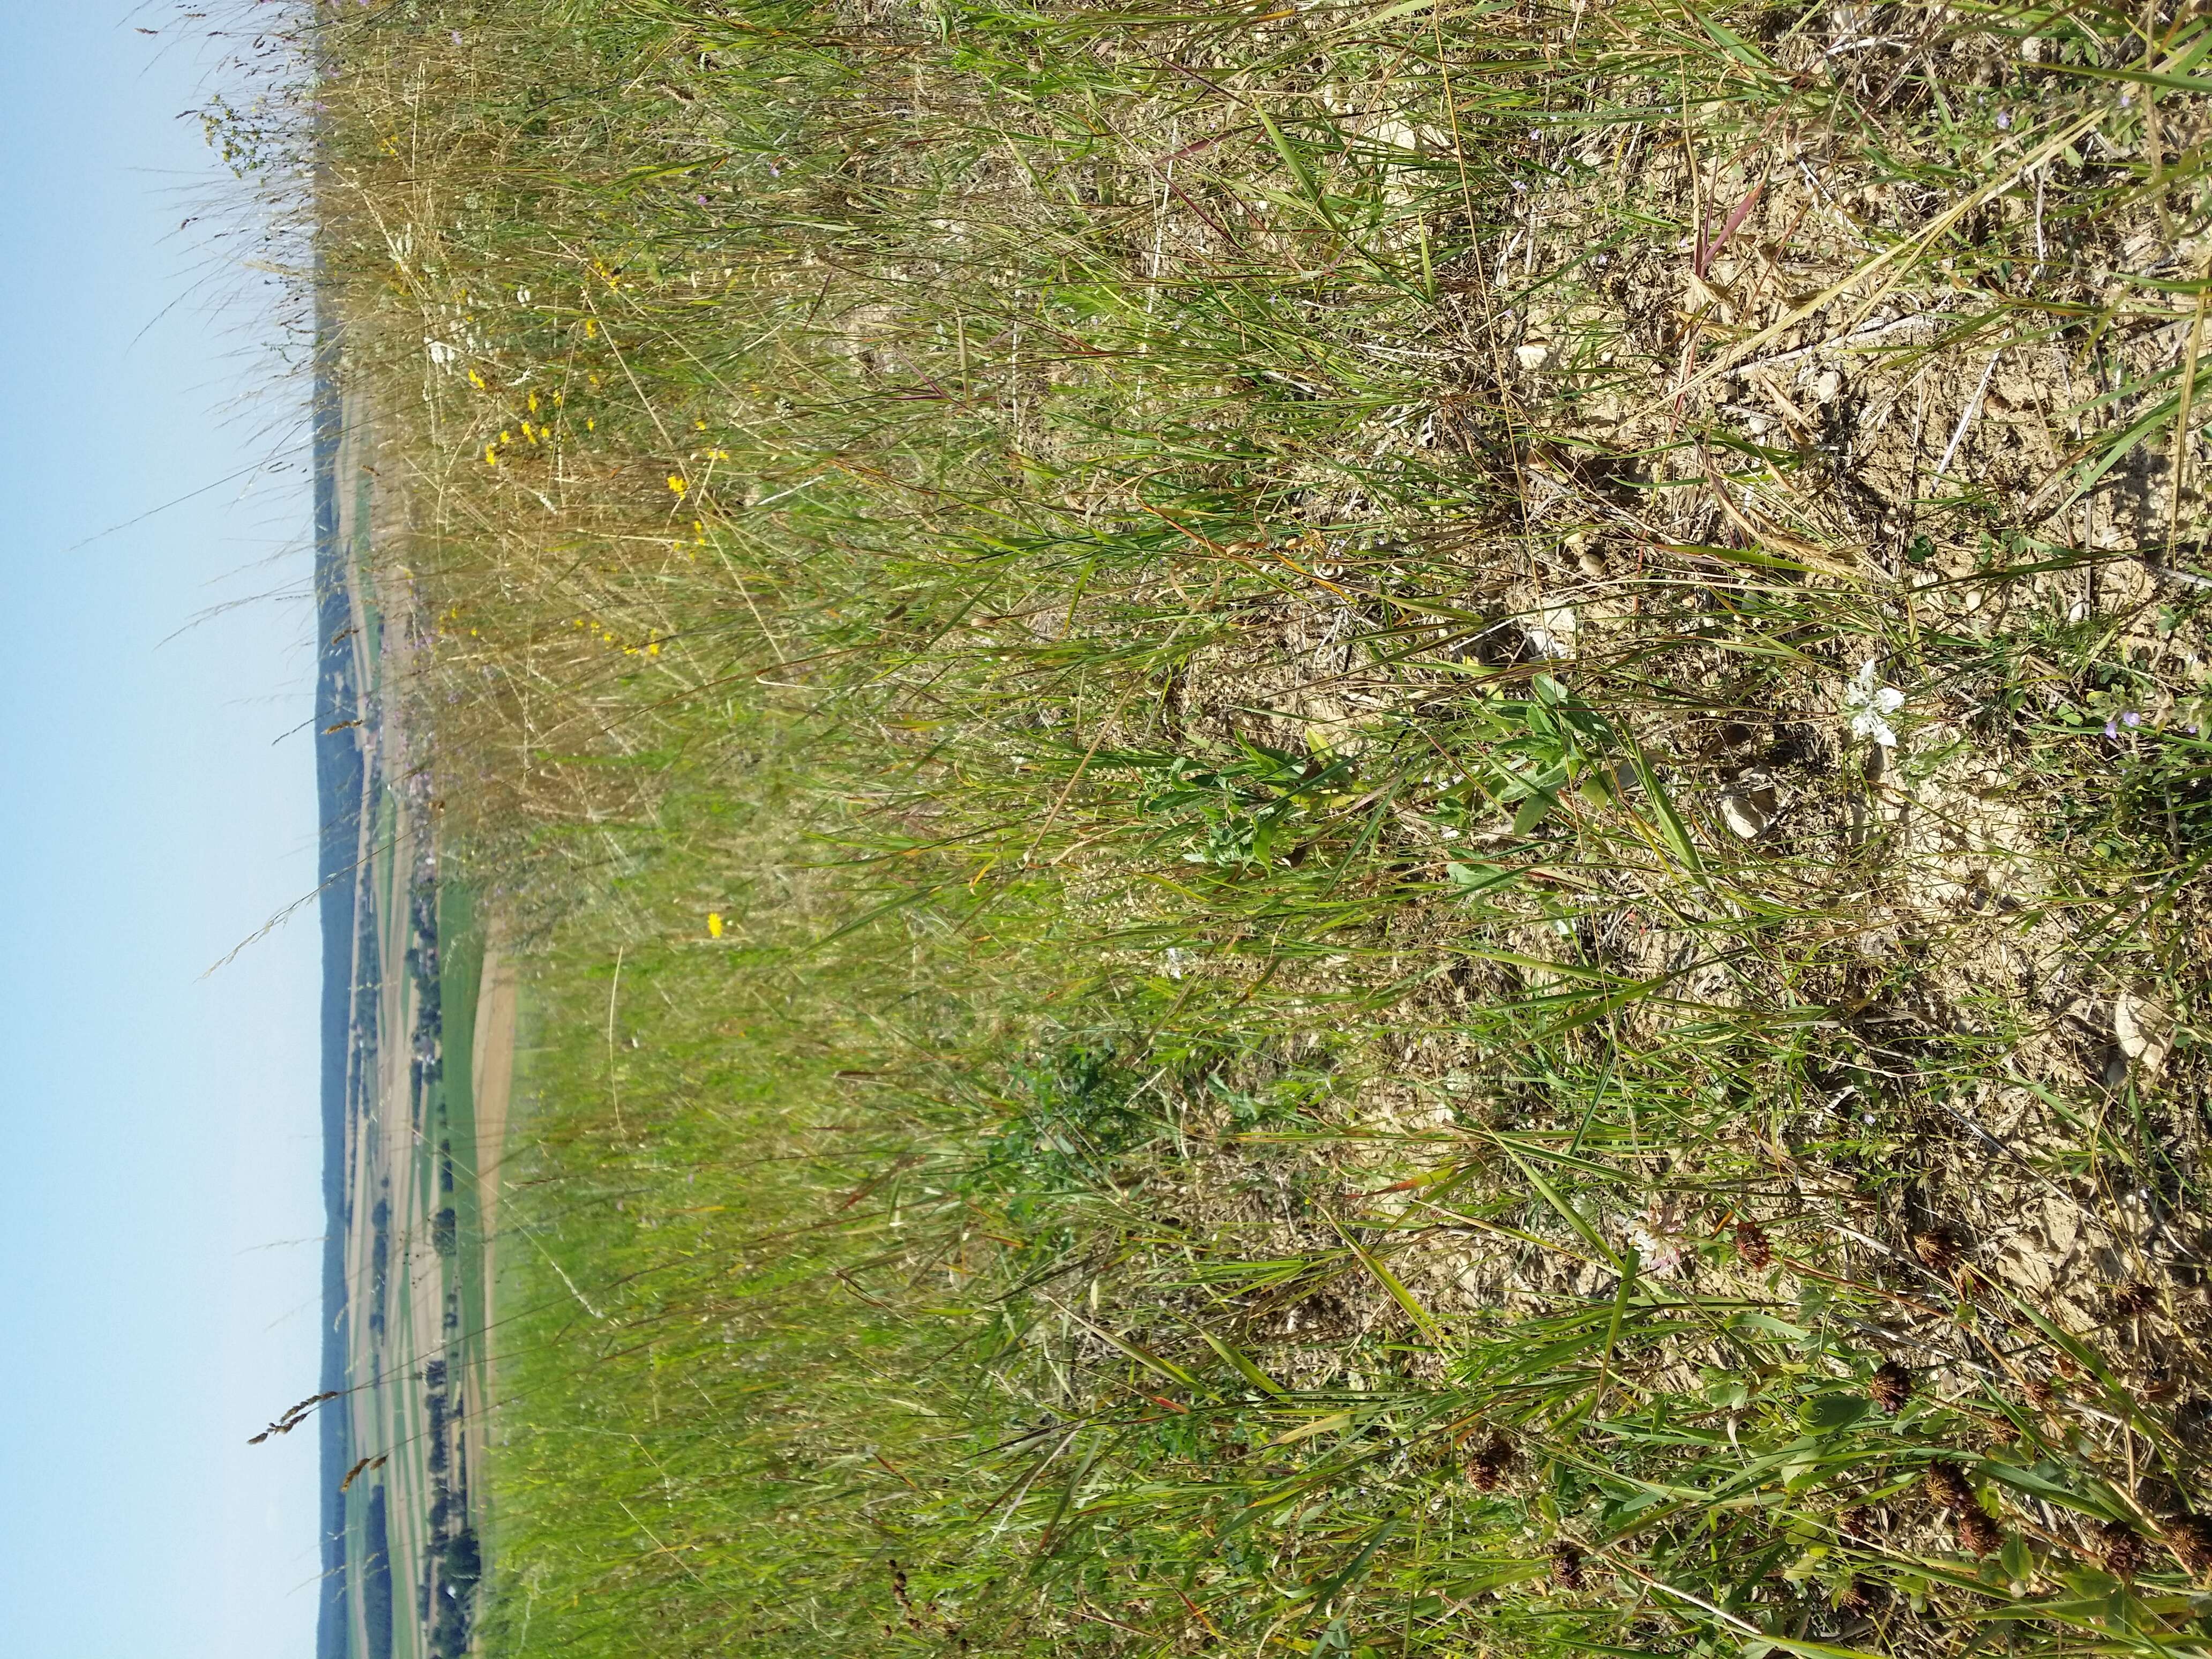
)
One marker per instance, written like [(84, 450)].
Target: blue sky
[(159, 1224)]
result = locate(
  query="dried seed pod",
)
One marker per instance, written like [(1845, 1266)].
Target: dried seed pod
[(1485, 1470), (1859, 1522), (1752, 1246), (1978, 1535), (2134, 1301), (1946, 1485), (1864, 1596), (2122, 1548), (2190, 1538), (1940, 1247), (1567, 1565), (2040, 1393), (1890, 1386)]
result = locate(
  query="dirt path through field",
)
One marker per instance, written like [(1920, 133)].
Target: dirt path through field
[(491, 1072), (492, 1067)]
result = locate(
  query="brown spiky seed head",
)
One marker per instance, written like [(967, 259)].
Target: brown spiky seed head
[(2134, 1301), (1890, 1386), (1939, 1247), (1567, 1565), (1858, 1522), (1978, 1535), (1864, 1596), (2040, 1393), (2121, 1549), (1752, 1246), (1947, 1488), (1485, 1470), (2190, 1538)]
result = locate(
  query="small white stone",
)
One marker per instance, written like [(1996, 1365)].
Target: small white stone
[(1747, 810), (2144, 1026), (1552, 634), (1532, 354)]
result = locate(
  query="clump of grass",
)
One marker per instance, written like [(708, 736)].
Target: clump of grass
[(1429, 741)]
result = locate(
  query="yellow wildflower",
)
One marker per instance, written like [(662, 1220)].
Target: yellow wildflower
[(714, 924), (677, 484), (491, 455)]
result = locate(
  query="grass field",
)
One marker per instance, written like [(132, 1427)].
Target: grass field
[(1355, 829)]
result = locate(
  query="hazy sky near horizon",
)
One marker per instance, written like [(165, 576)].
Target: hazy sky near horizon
[(160, 1209)]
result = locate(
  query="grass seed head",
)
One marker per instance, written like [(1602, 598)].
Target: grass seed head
[(1487, 1469), (1947, 1488), (2134, 1301), (1978, 1535), (1567, 1565), (2122, 1549), (2190, 1538), (1864, 1596), (1890, 1386), (1752, 1246), (1940, 1247)]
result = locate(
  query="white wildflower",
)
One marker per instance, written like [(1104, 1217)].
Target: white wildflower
[(1871, 704), (1176, 958), (1660, 1239)]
